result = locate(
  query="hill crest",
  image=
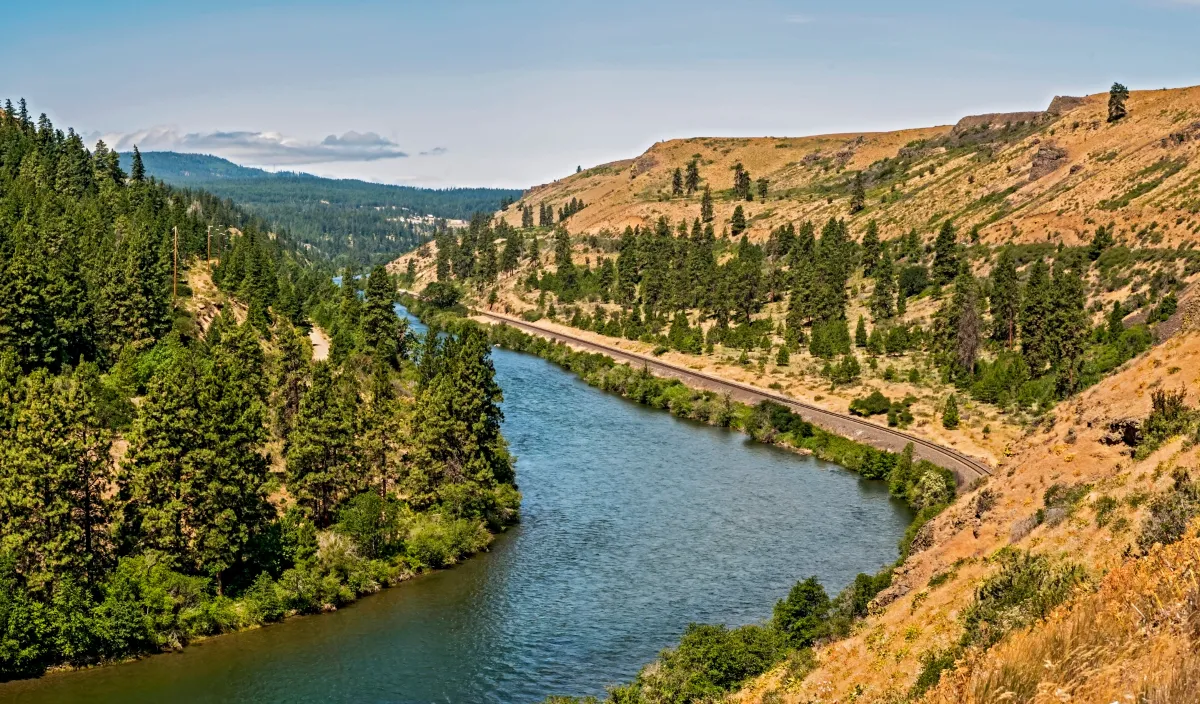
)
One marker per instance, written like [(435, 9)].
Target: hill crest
[(1028, 176)]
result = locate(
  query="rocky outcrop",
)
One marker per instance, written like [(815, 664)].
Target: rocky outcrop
[(1048, 159), (997, 119), (1064, 104)]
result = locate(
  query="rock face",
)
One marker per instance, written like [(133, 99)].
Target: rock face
[(997, 119), (1048, 159), (1123, 431), (1063, 104)]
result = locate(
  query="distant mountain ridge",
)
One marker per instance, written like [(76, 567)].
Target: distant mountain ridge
[(351, 220)]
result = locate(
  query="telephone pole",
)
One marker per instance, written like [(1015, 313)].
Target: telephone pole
[(210, 243), (175, 267)]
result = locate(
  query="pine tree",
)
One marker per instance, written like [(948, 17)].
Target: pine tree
[(860, 333), (320, 457), (1102, 240), (858, 194), (692, 179), (290, 380), (677, 182), (1036, 310), (950, 418), (163, 475), (764, 185), (737, 223), (706, 205), (231, 495), (458, 457), (55, 470), (137, 171), (968, 324), (1116, 102), (1116, 322), (510, 257), (1005, 298), (1069, 326), (870, 248), (383, 331), (885, 287), (443, 257), (945, 255)]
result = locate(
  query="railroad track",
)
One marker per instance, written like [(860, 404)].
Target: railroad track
[(965, 468)]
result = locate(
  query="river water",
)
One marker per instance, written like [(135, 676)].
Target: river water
[(634, 523)]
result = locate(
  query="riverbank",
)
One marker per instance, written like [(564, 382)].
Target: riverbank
[(926, 487)]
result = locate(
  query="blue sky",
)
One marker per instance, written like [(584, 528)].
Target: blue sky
[(517, 93)]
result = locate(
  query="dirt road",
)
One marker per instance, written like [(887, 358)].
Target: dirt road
[(966, 469)]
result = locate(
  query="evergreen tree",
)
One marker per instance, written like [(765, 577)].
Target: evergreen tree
[(1116, 322), (950, 418), (885, 287), (1036, 310), (162, 477), (870, 248), (444, 251), (1116, 102), (488, 265), (858, 194), (737, 224), (321, 453), (55, 470), (458, 457), (1069, 326), (230, 495), (677, 182), (137, 171), (968, 325), (860, 333), (692, 178), (945, 255), (1102, 240), (1005, 298), (514, 245), (764, 185), (383, 331), (706, 205)]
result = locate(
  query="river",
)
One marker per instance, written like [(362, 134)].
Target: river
[(634, 524)]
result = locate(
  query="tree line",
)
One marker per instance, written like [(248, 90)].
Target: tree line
[(161, 478)]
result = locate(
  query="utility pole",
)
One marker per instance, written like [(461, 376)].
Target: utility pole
[(175, 267), (210, 243)]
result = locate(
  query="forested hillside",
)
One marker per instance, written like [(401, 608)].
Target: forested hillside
[(166, 474), (347, 220)]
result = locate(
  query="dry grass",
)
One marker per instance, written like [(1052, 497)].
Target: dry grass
[(1133, 640)]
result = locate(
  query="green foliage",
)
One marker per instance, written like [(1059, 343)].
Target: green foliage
[(1025, 588), (351, 221), (874, 404), (1170, 513), (1116, 102), (950, 413), (800, 617)]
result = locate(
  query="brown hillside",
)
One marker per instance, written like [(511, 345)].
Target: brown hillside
[(919, 615), (1020, 176)]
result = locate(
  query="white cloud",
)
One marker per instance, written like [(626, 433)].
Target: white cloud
[(798, 19), (262, 148)]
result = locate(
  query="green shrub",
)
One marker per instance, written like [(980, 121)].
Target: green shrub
[(436, 541), (800, 617), (874, 404), (1024, 589), (1171, 513)]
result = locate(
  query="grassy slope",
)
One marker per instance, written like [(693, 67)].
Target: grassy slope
[(1110, 161), (883, 658)]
